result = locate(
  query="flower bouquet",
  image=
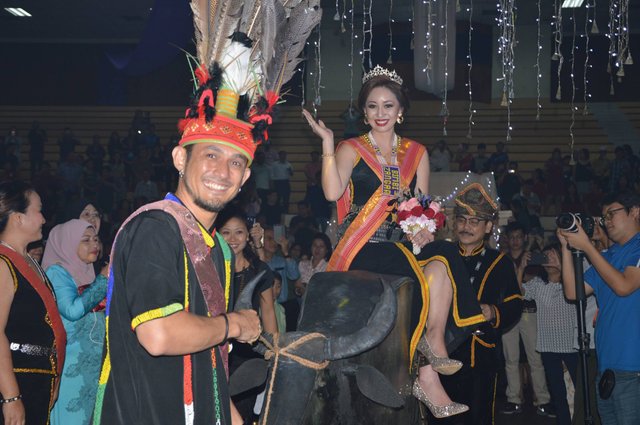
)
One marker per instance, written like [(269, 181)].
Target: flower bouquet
[(418, 212)]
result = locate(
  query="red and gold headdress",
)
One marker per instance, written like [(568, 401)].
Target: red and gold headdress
[(246, 51)]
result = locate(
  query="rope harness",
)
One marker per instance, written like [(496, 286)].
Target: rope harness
[(274, 350)]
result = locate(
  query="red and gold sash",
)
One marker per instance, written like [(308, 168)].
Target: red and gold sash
[(45, 292), (376, 210)]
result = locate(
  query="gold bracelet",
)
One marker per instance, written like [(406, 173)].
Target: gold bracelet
[(328, 155)]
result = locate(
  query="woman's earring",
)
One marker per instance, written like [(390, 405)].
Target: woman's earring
[(366, 121), (400, 119), (181, 173)]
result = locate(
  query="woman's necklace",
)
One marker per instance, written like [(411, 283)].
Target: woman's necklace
[(394, 149), (34, 264), (391, 170)]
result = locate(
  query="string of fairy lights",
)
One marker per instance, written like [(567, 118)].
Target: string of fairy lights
[(538, 51), (470, 68), (506, 45), (444, 112), (391, 21)]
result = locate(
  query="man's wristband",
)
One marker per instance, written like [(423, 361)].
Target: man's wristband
[(11, 399), (226, 329)]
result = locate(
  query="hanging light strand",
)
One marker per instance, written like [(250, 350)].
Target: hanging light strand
[(587, 50), (353, 35), (317, 101), (470, 66), (612, 25), (558, 46), (506, 43), (367, 32), (538, 73), (390, 58), (445, 110), (573, 87)]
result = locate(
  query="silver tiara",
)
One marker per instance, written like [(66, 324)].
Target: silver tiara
[(379, 71)]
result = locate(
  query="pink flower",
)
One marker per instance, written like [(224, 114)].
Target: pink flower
[(408, 205), (435, 206)]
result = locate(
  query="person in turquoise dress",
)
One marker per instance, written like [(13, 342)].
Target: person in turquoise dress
[(71, 249)]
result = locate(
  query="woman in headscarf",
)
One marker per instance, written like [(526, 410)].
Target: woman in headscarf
[(71, 250), (32, 337)]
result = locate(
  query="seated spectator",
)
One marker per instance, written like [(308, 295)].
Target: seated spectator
[(312, 168), (320, 207), (601, 166), (67, 144), (95, 153), (480, 160), (583, 172), (302, 226), (320, 254), (464, 158), (37, 139), (499, 158), (276, 255), (71, 172), (539, 185), (35, 250), (529, 197), (440, 157), (619, 167), (555, 188), (508, 184), (147, 188), (272, 210), (571, 201)]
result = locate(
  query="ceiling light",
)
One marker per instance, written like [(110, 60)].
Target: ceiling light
[(571, 4), (18, 11)]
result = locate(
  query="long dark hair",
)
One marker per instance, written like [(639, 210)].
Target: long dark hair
[(248, 252), (14, 198), (327, 243)]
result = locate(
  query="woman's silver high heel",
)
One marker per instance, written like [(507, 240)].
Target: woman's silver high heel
[(450, 409), (442, 365)]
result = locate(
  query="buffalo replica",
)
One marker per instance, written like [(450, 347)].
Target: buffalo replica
[(348, 362)]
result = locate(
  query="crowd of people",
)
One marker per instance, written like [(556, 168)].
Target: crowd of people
[(65, 357)]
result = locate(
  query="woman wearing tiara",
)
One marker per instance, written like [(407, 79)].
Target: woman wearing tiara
[(360, 175)]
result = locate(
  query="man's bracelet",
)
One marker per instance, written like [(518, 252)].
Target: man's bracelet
[(11, 400), (226, 329)]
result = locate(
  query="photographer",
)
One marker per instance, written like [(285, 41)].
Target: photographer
[(614, 278)]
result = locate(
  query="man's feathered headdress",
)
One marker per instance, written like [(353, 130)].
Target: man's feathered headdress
[(246, 51)]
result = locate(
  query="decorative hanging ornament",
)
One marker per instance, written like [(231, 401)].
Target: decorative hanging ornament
[(609, 68), (629, 60), (555, 57), (336, 17), (504, 101), (620, 72), (611, 89), (558, 94), (594, 27)]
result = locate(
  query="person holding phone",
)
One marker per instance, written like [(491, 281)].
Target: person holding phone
[(556, 322), (276, 255)]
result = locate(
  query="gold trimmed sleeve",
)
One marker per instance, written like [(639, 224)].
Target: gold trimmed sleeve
[(155, 314), (497, 318)]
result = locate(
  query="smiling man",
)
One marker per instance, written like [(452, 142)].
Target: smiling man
[(493, 278), (169, 313), (614, 278)]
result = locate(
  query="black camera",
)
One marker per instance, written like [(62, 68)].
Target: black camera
[(570, 221)]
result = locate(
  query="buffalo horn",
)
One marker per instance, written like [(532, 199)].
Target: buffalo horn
[(244, 300), (380, 323)]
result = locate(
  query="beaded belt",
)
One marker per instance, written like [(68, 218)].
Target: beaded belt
[(32, 350)]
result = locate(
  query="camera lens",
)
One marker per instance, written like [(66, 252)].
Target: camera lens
[(567, 221)]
